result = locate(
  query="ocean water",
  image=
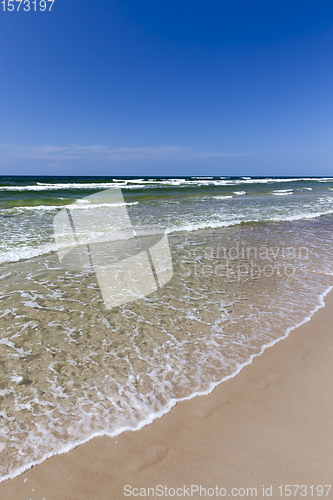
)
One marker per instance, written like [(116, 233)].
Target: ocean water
[(252, 259)]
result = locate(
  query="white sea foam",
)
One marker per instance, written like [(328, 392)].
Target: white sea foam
[(147, 183), (79, 205), (152, 416), (222, 197), (202, 225), (69, 186), (212, 224), (26, 252), (282, 192)]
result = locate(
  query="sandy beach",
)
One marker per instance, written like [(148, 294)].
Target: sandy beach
[(166, 270), (269, 427)]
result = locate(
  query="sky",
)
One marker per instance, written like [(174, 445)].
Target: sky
[(167, 87)]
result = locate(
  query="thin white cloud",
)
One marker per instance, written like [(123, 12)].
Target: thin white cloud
[(77, 152)]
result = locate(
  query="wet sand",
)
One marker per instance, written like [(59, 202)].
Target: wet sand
[(270, 426)]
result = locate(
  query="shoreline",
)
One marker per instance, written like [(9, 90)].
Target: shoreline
[(275, 383), (174, 402)]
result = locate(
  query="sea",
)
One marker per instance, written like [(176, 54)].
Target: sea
[(251, 260)]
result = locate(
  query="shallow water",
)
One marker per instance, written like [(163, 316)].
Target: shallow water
[(71, 369)]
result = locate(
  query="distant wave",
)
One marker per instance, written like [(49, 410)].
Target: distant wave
[(282, 192), (146, 183), (64, 205), (222, 197)]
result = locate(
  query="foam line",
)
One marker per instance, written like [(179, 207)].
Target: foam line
[(155, 415)]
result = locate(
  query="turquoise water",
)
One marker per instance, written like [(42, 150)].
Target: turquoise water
[(28, 204)]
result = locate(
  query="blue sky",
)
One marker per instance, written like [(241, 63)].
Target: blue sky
[(147, 87)]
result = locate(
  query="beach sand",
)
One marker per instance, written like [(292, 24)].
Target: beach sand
[(270, 425)]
